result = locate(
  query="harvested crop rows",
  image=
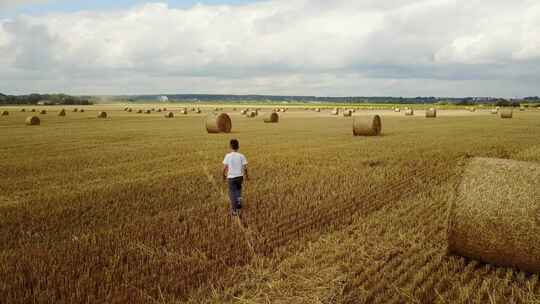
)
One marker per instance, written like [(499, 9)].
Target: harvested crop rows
[(131, 208)]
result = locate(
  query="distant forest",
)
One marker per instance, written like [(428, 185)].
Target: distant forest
[(63, 99), (316, 99), (45, 99)]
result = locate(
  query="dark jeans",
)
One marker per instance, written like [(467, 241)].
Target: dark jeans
[(235, 193)]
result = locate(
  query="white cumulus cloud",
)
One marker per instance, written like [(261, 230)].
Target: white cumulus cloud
[(308, 47)]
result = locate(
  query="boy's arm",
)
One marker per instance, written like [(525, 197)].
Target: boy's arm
[(225, 171)]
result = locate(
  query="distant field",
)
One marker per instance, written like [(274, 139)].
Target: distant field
[(131, 209)]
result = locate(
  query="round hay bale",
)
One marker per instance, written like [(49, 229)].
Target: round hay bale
[(409, 112), (317, 110), (473, 109), (495, 111), (507, 113), (81, 110), (198, 111), (5, 113), (431, 113), (169, 115), (153, 109), (243, 112), (148, 112), (495, 216), (62, 112), (130, 110), (164, 109), (335, 112), (183, 111), (272, 117), (33, 110), (23, 110), (75, 110), (159, 110), (139, 111), (367, 125), (347, 113), (218, 123), (33, 121), (102, 115), (251, 114), (397, 110), (522, 109), (126, 109), (43, 112)]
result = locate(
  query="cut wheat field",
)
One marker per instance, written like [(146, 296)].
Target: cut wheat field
[(132, 209)]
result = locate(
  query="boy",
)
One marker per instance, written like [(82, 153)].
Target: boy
[(234, 170)]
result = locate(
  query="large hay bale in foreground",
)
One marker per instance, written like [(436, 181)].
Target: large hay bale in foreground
[(507, 113), (431, 113), (218, 123), (495, 217), (33, 121), (102, 115), (409, 112), (62, 112), (5, 113), (367, 125), (272, 117)]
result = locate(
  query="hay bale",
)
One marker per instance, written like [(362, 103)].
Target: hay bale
[(347, 113), (102, 115), (81, 110), (62, 112), (148, 112), (473, 109), (43, 112), (139, 111), (183, 111), (130, 110), (335, 112), (251, 114), (495, 217), (75, 110), (23, 110), (507, 113), (159, 110), (169, 115), (397, 110), (367, 125), (431, 113), (272, 117), (409, 112), (317, 110), (218, 123), (495, 111), (126, 109), (33, 121), (164, 109), (198, 111), (33, 110), (522, 109), (5, 113)]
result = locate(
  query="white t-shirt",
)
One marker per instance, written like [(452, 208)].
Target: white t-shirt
[(236, 162)]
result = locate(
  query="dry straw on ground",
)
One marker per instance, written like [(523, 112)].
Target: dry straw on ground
[(272, 117), (102, 115), (33, 120), (496, 215), (370, 125), (431, 113), (218, 123), (507, 113)]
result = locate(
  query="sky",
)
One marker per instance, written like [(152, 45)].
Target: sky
[(278, 47)]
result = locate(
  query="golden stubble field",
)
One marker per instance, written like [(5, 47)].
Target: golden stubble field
[(131, 209)]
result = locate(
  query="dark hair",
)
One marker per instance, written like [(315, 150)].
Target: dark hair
[(235, 144)]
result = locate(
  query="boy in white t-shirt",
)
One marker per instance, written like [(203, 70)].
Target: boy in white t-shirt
[(234, 170)]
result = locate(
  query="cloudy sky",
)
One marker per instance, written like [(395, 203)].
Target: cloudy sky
[(279, 47)]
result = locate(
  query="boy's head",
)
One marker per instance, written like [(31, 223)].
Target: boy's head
[(235, 145)]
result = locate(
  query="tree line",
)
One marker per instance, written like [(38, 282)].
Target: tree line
[(45, 99)]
